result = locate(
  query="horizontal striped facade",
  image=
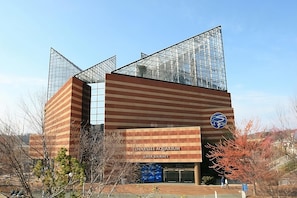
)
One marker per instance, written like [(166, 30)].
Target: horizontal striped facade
[(132, 102), (64, 114), (159, 145), (145, 109), (36, 150)]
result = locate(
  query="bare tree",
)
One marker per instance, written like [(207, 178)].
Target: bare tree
[(33, 110), (294, 107), (287, 115), (104, 158), (13, 150), (101, 154), (14, 154), (45, 168)]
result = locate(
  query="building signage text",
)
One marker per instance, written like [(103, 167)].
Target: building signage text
[(165, 148), (157, 148)]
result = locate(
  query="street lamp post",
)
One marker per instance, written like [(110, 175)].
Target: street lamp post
[(70, 182)]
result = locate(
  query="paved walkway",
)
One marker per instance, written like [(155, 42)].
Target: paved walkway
[(177, 190), (172, 190)]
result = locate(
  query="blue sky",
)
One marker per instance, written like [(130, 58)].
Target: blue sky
[(260, 44)]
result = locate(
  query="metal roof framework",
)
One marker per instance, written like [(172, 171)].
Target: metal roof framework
[(96, 73), (197, 61), (60, 70)]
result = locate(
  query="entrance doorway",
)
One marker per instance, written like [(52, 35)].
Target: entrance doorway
[(178, 175)]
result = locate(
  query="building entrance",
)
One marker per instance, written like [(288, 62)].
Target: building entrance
[(175, 173), (178, 175)]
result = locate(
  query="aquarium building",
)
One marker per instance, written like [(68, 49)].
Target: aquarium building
[(168, 104)]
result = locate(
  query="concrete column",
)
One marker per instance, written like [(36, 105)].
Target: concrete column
[(197, 175)]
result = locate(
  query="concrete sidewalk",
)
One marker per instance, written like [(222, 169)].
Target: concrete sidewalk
[(175, 190)]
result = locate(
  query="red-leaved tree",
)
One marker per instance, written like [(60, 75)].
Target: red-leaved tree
[(244, 156)]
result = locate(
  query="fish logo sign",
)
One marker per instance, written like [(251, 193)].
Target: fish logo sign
[(218, 120)]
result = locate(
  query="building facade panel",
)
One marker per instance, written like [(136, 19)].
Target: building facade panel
[(170, 145), (65, 112), (166, 88), (36, 150), (144, 108)]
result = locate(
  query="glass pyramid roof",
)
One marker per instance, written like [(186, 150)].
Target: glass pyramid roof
[(60, 70), (197, 61), (97, 72)]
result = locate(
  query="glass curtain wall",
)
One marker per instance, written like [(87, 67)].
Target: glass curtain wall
[(95, 77), (197, 61), (60, 70), (97, 103)]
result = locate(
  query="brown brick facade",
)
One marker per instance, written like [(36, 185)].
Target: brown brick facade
[(64, 114), (132, 102), (159, 145), (150, 112)]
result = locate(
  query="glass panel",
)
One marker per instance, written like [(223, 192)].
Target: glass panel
[(60, 70), (97, 103), (197, 61)]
